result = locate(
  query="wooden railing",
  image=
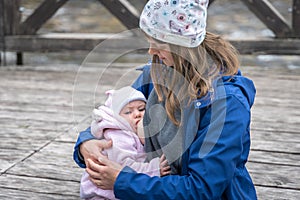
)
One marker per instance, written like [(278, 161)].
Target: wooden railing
[(17, 36)]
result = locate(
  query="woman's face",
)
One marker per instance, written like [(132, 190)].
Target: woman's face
[(162, 51)]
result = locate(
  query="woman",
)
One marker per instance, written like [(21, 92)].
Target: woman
[(198, 113)]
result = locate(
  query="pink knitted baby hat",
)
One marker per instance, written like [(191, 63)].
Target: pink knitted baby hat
[(117, 99), (179, 22)]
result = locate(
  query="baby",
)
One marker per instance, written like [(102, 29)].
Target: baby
[(119, 120)]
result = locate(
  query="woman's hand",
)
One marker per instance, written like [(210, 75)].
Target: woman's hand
[(104, 172), (92, 149)]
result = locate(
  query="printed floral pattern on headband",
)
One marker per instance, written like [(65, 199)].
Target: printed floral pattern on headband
[(186, 19)]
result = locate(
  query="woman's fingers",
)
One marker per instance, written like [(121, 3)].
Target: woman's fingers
[(105, 144), (93, 169), (103, 160), (165, 169), (104, 173), (164, 163), (162, 158), (91, 149), (97, 174)]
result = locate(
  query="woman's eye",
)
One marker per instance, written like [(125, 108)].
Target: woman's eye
[(142, 109)]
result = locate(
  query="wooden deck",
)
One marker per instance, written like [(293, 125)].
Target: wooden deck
[(39, 122)]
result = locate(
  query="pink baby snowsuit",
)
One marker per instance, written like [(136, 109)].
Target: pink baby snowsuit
[(127, 150)]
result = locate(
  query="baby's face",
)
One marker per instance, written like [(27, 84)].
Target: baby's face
[(133, 113)]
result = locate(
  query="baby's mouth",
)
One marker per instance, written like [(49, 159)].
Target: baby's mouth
[(136, 123)]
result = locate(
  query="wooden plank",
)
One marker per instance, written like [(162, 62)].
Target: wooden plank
[(36, 185), (123, 11), (72, 134), (276, 127), (19, 193), (296, 18), (11, 124), (273, 101), (271, 175), (275, 146), (55, 154), (265, 46), (269, 114), (30, 140), (9, 157), (265, 11), (30, 98), (276, 135), (56, 44), (40, 15), (276, 193), (277, 158), (14, 106), (76, 42)]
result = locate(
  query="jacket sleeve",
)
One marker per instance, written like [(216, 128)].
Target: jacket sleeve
[(142, 83), (82, 137), (210, 161), (124, 151)]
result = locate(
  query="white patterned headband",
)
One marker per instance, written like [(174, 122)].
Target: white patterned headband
[(179, 22)]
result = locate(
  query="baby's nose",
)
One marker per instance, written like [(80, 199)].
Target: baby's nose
[(138, 114)]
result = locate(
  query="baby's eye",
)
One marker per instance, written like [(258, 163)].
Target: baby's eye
[(142, 109), (127, 112)]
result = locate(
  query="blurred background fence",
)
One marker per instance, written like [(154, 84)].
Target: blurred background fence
[(35, 26)]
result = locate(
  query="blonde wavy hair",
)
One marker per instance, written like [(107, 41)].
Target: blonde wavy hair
[(193, 72)]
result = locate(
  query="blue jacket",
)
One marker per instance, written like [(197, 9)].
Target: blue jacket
[(213, 165)]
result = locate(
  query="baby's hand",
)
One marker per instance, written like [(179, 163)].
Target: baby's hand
[(164, 167)]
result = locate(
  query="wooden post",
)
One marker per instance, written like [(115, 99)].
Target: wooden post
[(11, 16), (124, 11), (2, 41), (265, 11), (41, 14), (296, 18), (19, 56), (10, 21)]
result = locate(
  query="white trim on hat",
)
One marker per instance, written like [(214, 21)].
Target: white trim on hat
[(174, 38)]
